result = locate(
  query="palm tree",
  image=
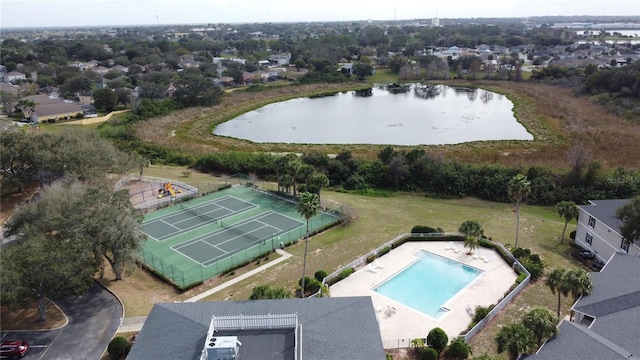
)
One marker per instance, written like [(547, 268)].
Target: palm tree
[(471, 243), (578, 282), (516, 339), (541, 322), (292, 168), (308, 207), (471, 228), (568, 210), (556, 283), (519, 188)]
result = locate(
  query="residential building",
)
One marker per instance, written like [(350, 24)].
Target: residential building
[(280, 59), (599, 231), (12, 76), (604, 324), (285, 329), (50, 108)]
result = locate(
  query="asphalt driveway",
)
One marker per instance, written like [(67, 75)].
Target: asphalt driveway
[(93, 321)]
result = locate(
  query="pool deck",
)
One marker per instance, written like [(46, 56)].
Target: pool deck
[(405, 323)]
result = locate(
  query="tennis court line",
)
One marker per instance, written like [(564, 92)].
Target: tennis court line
[(283, 256), (194, 260)]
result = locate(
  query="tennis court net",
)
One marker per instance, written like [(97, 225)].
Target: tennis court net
[(197, 213), (240, 232)]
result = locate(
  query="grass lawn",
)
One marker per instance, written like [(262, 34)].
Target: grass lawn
[(540, 229)]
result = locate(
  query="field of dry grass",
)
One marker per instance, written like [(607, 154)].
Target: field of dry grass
[(558, 120)]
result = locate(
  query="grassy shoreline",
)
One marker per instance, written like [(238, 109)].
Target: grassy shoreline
[(558, 120)]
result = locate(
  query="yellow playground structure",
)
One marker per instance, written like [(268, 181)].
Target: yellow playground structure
[(168, 189)]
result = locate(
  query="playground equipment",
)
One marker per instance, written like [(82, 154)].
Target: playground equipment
[(168, 189)]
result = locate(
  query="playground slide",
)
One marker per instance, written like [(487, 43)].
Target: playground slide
[(171, 190)]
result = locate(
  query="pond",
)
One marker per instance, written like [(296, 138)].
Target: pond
[(409, 114)]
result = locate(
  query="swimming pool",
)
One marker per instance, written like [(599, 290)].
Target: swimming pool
[(428, 283)]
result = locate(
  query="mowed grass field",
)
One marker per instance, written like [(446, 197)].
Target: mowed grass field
[(377, 220)]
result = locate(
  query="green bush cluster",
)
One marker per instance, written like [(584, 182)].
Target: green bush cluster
[(423, 229), (532, 262), (118, 348), (345, 273), (320, 275)]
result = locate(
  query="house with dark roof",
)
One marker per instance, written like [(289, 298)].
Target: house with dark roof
[(286, 329), (605, 323), (50, 108), (599, 231)]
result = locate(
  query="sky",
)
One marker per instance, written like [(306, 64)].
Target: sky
[(68, 13)]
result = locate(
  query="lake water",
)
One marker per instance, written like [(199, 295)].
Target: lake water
[(418, 116)]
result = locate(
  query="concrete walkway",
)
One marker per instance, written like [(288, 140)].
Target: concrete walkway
[(135, 324)]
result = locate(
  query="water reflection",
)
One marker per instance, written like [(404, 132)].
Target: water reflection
[(394, 114)]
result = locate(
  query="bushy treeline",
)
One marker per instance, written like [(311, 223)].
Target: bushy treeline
[(416, 170), (616, 88)]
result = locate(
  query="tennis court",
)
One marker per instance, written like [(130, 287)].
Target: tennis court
[(207, 236)]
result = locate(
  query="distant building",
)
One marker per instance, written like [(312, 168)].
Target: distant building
[(50, 108), (13, 76)]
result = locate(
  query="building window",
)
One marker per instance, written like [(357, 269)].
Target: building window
[(592, 222), (624, 246), (588, 239)]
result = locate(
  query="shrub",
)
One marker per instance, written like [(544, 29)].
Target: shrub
[(535, 268), (320, 275), (481, 312), (370, 258), (418, 229), (519, 253), (384, 250), (437, 339), (458, 350), (521, 278), (118, 347), (312, 286), (572, 235), (345, 273), (429, 354)]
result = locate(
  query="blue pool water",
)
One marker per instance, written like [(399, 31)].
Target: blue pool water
[(428, 283)]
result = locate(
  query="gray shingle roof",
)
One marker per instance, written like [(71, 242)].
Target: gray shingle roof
[(575, 342), (332, 328), (615, 304), (605, 210)]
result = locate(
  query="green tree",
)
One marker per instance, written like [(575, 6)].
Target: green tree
[(629, 215), (471, 228), (292, 167), (105, 99), (515, 339), (20, 158), (362, 70), (308, 206), (114, 224), (52, 257), (269, 292), (472, 243), (569, 211), (318, 181), (556, 282), (541, 322), (437, 339), (195, 90), (118, 347), (519, 188), (458, 350)]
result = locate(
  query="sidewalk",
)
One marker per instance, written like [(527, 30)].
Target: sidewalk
[(135, 323)]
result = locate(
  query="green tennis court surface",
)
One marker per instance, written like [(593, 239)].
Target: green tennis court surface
[(212, 234)]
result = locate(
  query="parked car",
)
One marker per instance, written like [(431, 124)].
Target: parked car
[(13, 349), (586, 255)]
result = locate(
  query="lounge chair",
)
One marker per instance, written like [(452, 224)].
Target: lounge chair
[(377, 264), (487, 258), (456, 249), (372, 268), (476, 254), (469, 310), (449, 246)]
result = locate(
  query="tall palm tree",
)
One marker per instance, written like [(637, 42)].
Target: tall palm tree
[(578, 282), (516, 339), (519, 188), (568, 210), (541, 322), (308, 207), (292, 168), (557, 283)]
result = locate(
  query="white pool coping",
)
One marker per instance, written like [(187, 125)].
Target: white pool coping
[(406, 323)]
